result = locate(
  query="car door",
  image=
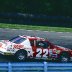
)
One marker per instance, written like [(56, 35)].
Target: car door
[(42, 49)]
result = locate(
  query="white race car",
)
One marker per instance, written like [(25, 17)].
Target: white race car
[(18, 46)]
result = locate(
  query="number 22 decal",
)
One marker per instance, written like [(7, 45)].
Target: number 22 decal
[(45, 51)]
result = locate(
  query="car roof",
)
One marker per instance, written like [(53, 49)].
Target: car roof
[(31, 37)]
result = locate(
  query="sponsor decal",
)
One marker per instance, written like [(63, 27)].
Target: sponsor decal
[(18, 46), (7, 53), (0, 44), (57, 51)]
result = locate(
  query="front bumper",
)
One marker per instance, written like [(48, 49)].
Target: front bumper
[(1, 52), (5, 53)]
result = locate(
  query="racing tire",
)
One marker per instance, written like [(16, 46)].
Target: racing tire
[(64, 57), (21, 55)]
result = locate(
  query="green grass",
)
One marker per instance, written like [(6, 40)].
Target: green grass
[(30, 27)]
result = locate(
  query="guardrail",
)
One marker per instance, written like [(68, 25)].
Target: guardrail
[(35, 67)]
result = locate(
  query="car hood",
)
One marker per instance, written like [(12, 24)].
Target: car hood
[(4, 43)]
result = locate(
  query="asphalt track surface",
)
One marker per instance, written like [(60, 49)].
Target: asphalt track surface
[(59, 38)]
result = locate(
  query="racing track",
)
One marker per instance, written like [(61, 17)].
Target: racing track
[(59, 38)]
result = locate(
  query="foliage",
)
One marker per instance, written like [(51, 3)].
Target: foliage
[(49, 7)]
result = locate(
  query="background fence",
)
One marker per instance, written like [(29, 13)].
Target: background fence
[(35, 67)]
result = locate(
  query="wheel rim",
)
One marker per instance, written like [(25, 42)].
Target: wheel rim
[(21, 56), (64, 59)]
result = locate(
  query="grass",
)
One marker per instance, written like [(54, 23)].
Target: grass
[(30, 27)]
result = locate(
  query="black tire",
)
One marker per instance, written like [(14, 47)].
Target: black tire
[(21, 55), (64, 57)]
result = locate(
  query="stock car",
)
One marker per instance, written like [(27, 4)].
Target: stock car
[(24, 47)]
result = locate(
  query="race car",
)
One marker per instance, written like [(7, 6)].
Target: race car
[(24, 47)]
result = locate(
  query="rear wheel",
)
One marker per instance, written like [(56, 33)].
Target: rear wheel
[(21, 55), (64, 57)]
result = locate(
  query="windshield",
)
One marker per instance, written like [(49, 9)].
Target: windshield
[(17, 40)]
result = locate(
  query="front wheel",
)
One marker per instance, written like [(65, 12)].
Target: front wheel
[(21, 55), (64, 57)]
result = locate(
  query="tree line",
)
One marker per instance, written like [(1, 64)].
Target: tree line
[(49, 7)]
